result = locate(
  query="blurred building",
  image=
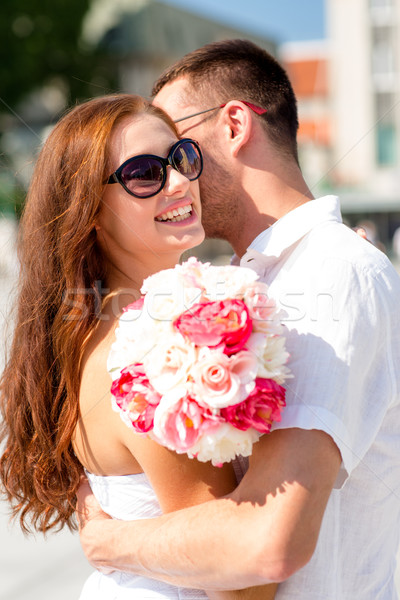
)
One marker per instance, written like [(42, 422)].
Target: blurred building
[(307, 64), (348, 89), (365, 78), (143, 37), (365, 83)]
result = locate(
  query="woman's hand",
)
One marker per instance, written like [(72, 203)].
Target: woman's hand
[(89, 513), (87, 507)]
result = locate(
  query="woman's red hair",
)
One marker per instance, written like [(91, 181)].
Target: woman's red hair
[(59, 255)]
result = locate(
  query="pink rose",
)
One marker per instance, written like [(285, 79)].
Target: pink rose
[(220, 380), (226, 324), (179, 424), (137, 305), (261, 306), (135, 396), (193, 271), (260, 409)]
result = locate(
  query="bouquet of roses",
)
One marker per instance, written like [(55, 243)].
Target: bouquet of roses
[(199, 361)]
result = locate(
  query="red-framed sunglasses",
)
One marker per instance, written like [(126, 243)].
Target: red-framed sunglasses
[(254, 108)]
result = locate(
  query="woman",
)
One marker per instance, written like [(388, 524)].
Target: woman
[(101, 215)]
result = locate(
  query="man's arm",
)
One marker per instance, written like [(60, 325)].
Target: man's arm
[(262, 532)]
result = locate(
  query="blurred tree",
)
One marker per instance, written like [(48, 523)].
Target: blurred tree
[(41, 49), (40, 41)]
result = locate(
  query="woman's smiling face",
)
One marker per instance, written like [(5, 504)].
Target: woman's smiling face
[(132, 230)]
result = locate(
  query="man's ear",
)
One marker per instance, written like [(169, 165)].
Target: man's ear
[(239, 123)]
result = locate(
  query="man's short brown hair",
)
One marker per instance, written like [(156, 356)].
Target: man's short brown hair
[(240, 70)]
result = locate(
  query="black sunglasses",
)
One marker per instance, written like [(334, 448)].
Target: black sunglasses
[(145, 175)]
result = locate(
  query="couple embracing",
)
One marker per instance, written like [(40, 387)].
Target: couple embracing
[(315, 514)]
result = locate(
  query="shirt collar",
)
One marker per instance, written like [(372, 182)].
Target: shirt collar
[(290, 228)]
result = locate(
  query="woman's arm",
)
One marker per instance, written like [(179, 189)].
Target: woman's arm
[(178, 481), (263, 532), (90, 510)]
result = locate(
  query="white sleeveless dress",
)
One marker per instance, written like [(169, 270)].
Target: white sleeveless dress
[(131, 497), (128, 497)]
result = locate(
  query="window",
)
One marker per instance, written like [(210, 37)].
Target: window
[(385, 105), (381, 12)]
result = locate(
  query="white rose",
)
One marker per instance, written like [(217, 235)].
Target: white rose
[(159, 280), (274, 359), (193, 271), (256, 345), (227, 281), (169, 298), (262, 309), (168, 364), (224, 444), (135, 337)]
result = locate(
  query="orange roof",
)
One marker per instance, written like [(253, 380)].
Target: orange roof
[(315, 130), (308, 77)]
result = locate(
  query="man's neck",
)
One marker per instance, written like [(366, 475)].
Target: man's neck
[(263, 210)]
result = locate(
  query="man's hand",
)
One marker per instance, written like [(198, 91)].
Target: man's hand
[(89, 512), (263, 532)]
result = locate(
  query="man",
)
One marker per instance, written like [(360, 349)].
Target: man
[(318, 510)]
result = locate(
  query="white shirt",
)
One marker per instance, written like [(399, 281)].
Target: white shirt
[(341, 301)]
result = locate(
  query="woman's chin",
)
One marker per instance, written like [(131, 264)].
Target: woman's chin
[(193, 240), (184, 238)]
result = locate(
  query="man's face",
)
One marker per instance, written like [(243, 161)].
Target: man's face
[(175, 98), (216, 183)]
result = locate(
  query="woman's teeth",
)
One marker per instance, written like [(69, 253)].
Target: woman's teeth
[(178, 214)]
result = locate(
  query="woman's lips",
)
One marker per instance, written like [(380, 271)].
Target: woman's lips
[(175, 215)]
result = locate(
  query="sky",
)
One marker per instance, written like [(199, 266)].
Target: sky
[(283, 20)]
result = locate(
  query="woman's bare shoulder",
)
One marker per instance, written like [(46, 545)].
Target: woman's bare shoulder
[(98, 439)]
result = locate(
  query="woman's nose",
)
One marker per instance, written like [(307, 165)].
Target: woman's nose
[(175, 182)]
